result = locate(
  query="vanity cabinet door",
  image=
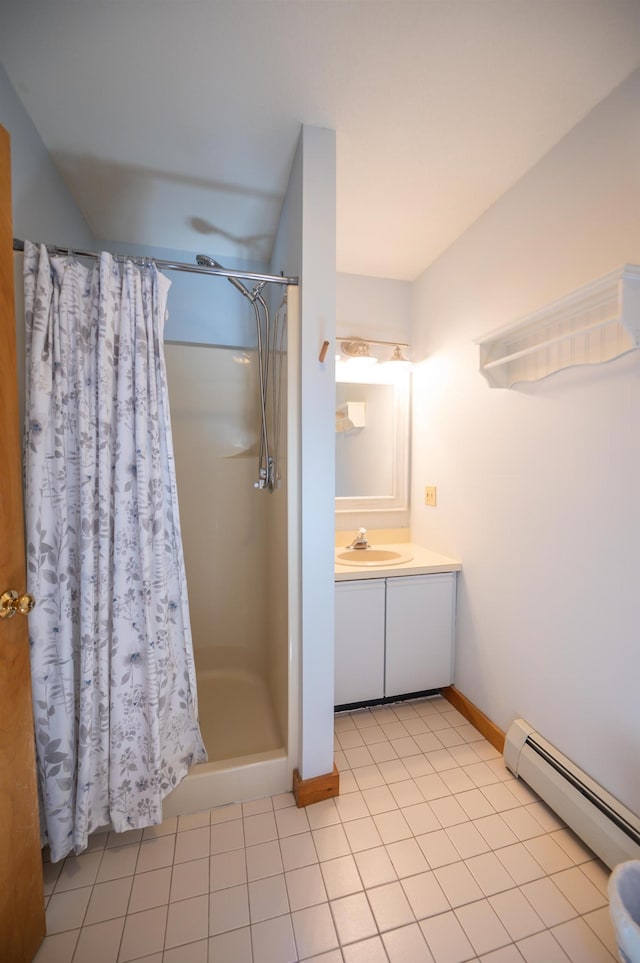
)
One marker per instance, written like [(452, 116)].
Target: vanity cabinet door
[(359, 651), (420, 625)]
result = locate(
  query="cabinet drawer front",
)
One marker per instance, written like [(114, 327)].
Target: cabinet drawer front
[(420, 623), (359, 652)]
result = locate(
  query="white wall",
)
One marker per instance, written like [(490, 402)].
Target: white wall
[(43, 209), (305, 246), (538, 486), (377, 308), (201, 309)]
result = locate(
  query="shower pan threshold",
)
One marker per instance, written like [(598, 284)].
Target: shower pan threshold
[(228, 781), (246, 757)]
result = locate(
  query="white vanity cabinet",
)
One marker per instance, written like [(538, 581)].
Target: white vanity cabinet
[(393, 636)]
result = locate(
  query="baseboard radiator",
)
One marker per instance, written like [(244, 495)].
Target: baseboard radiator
[(606, 826)]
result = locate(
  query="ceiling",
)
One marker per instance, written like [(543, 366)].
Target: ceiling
[(174, 122)]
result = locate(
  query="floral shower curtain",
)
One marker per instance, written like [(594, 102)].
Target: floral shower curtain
[(114, 691)]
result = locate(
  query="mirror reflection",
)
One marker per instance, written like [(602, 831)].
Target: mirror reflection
[(364, 440), (372, 442)]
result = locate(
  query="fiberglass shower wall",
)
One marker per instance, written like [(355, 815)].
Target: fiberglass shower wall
[(213, 393), (228, 527)]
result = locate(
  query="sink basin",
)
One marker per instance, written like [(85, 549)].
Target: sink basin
[(365, 557)]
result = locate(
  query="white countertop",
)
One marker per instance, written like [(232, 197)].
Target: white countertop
[(423, 562)]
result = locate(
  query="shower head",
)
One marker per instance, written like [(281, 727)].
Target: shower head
[(205, 261)]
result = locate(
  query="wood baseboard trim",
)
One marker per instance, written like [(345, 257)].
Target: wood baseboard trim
[(308, 791), (476, 717)]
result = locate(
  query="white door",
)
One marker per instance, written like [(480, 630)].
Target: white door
[(21, 900), (359, 652), (420, 624)]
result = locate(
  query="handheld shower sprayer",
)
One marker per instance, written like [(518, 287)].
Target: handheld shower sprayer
[(269, 350), (205, 261)]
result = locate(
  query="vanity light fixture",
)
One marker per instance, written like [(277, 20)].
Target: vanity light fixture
[(356, 349)]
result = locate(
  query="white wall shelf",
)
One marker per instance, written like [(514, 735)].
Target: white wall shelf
[(593, 324)]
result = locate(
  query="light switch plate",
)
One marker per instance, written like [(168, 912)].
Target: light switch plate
[(430, 495)]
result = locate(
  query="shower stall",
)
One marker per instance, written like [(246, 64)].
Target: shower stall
[(229, 424), (234, 424)]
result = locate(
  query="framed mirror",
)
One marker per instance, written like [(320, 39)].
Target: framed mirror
[(372, 439)]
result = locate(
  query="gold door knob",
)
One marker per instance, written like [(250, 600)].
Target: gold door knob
[(11, 602)]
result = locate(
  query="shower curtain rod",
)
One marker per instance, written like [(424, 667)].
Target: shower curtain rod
[(18, 245)]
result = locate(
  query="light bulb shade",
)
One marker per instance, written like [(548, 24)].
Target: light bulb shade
[(397, 355), (398, 360), (357, 349)]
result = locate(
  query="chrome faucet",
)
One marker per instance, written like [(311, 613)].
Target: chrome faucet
[(361, 540)]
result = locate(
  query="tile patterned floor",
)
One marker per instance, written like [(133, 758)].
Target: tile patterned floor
[(433, 853)]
